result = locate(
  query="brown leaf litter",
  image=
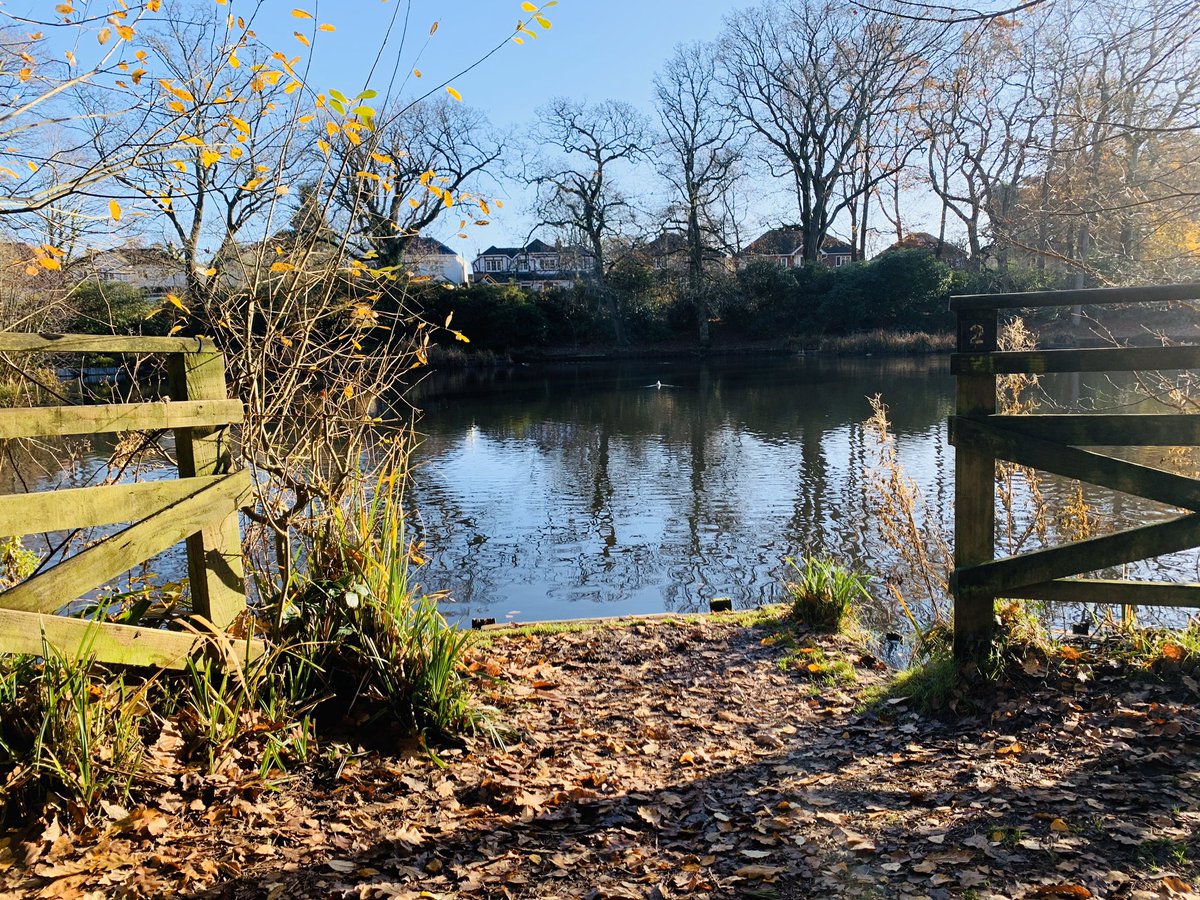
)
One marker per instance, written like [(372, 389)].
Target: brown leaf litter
[(679, 759)]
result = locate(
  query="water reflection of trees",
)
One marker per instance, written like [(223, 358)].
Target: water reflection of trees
[(665, 496)]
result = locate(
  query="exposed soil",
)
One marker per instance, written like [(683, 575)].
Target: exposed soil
[(680, 760)]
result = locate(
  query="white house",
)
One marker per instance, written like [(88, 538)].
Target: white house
[(536, 266), (431, 259), (150, 269)]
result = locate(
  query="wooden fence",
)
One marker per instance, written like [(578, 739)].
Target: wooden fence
[(200, 507), (1053, 443)]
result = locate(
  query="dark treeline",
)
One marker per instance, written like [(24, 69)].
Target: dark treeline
[(904, 291)]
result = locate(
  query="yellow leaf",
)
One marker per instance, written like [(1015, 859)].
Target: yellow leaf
[(25, 74), (325, 148), (125, 31), (417, 72), (103, 35), (176, 107), (381, 158), (179, 164), (1060, 826), (49, 262), (326, 27), (528, 7), (252, 184), (282, 267), (176, 302), (64, 8), (543, 21), (302, 39), (70, 58), (301, 14), (460, 336), (283, 189), (208, 157), (234, 62), (433, 29), (455, 94), (348, 391), (114, 210)]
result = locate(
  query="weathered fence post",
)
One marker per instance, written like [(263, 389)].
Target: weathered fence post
[(215, 553), (974, 491)]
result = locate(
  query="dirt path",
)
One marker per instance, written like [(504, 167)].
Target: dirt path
[(680, 760)]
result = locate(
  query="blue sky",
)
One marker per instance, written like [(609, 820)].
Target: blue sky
[(596, 49)]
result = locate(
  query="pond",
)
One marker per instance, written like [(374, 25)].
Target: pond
[(548, 493), (640, 487)]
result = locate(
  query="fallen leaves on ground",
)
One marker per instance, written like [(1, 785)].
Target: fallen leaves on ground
[(678, 760)]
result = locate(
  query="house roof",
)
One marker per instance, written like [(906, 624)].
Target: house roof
[(923, 240), (534, 246), (777, 242), (133, 256), (427, 246), (789, 240)]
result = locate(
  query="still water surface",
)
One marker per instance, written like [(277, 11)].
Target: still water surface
[(639, 487), (643, 487)]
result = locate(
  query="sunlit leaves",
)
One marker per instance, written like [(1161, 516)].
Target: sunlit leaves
[(176, 91), (538, 17), (455, 94), (114, 210), (301, 14)]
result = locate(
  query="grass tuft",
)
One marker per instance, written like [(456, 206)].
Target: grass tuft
[(823, 593)]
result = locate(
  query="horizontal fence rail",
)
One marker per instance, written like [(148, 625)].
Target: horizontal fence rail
[(200, 507), (1054, 444)]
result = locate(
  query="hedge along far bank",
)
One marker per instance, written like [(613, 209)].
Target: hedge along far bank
[(903, 291)]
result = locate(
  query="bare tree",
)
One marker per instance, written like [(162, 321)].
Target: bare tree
[(980, 112), (699, 157), (1128, 136), (809, 79), (419, 164), (578, 192), (236, 160)]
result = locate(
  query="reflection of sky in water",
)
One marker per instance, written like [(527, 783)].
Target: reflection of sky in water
[(583, 499), (576, 491)]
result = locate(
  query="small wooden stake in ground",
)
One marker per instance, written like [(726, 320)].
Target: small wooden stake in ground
[(215, 553)]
